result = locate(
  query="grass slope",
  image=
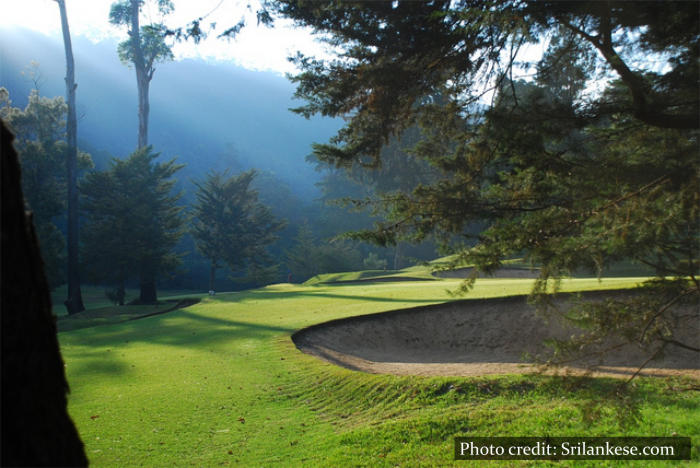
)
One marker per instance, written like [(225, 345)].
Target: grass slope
[(220, 383)]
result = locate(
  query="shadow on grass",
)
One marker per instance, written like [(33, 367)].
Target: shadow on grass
[(188, 329), (235, 323), (100, 362)]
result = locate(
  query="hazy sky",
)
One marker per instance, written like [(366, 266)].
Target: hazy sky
[(256, 48)]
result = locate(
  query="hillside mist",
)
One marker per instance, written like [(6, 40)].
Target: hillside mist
[(208, 115)]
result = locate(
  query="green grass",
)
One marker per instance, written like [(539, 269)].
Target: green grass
[(116, 314), (419, 272), (94, 297), (425, 271), (221, 383), (422, 271)]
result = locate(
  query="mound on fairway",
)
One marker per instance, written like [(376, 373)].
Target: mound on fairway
[(470, 337), (500, 273)]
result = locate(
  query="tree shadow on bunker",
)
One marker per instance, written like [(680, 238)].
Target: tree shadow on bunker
[(494, 332)]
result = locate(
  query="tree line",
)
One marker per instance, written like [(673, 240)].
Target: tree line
[(137, 219), (132, 220), (131, 215)]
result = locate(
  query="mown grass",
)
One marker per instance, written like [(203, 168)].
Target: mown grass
[(116, 314), (221, 383), (431, 270), (94, 297)]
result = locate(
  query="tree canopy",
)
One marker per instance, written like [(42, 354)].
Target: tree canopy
[(40, 133), (575, 159), (132, 221), (145, 47), (231, 226), (147, 44)]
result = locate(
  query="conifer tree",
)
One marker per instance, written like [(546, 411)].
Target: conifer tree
[(132, 221), (231, 227)]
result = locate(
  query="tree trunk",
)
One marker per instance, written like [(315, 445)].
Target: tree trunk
[(212, 276), (397, 256), (74, 302), (142, 75), (121, 293), (148, 294), (36, 428), (143, 83)]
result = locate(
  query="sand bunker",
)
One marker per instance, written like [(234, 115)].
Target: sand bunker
[(471, 337)]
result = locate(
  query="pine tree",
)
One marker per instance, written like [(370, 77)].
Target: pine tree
[(302, 259), (567, 176), (144, 48), (231, 226), (133, 221)]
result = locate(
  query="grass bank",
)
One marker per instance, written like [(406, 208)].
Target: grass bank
[(221, 383)]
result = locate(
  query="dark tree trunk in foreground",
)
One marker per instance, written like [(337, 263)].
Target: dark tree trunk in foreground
[(74, 302), (36, 429)]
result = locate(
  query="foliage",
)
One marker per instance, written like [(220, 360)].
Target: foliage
[(152, 45), (144, 48), (373, 262), (231, 226), (115, 295), (301, 259), (39, 131), (349, 191), (309, 256), (132, 220), (562, 173)]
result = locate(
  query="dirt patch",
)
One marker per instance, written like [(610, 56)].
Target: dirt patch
[(470, 337)]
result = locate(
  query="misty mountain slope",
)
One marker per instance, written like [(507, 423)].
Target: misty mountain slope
[(208, 115)]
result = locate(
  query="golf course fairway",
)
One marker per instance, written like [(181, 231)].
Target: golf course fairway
[(220, 383)]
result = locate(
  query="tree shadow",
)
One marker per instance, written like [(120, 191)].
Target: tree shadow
[(160, 329), (99, 362)]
